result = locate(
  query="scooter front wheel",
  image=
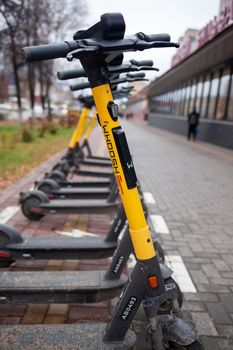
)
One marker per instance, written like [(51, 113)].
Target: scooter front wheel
[(47, 186), (196, 345)]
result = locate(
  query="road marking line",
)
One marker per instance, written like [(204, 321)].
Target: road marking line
[(7, 213), (180, 273), (148, 198), (159, 224), (132, 261), (77, 233)]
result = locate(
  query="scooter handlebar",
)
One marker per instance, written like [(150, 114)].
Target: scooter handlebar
[(79, 86), (153, 37), (70, 74), (135, 75), (87, 47), (47, 52), (148, 63)]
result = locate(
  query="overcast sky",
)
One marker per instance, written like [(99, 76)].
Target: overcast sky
[(156, 16)]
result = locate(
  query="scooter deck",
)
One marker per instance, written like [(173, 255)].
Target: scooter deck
[(58, 247), (78, 206), (104, 190), (96, 162), (96, 157), (81, 193), (60, 336), (84, 183), (58, 287), (86, 170)]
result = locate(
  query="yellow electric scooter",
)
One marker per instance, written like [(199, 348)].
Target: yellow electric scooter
[(94, 47)]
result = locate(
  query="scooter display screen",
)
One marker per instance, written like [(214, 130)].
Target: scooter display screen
[(125, 157)]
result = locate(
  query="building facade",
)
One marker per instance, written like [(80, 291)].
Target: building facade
[(202, 77)]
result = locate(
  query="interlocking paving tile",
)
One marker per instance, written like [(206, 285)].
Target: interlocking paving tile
[(203, 323), (193, 188)]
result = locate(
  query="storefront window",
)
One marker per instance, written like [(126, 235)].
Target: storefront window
[(205, 95), (178, 103), (170, 101), (167, 103), (162, 103), (198, 94), (182, 98), (192, 97), (175, 101), (213, 95), (230, 103), (223, 91), (187, 97)]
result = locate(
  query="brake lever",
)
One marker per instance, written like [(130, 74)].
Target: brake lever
[(148, 68), (142, 45), (82, 52), (130, 80)]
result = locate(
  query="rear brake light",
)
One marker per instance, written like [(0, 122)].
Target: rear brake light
[(153, 281)]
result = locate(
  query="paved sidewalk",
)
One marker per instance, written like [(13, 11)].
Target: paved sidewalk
[(193, 191), (49, 226), (192, 184)]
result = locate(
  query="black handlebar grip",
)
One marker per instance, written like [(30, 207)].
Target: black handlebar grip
[(48, 52), (153, 37), (144, 63), (79, 86), (136, 75), (71, 74)]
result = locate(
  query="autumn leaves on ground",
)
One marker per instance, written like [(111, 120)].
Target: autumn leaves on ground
[(24, 147)]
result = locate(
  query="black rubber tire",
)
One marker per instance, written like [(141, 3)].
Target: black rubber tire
[(46, 188), (57, 177), (29, 202), (6, 263), (4, 240), (165, 308), (196, 345)]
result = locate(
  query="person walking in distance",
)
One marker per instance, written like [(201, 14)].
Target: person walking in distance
[(193, 121)]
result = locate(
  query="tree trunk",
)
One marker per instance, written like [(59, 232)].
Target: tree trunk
[(48, 84), (31, 84), (17, 84)]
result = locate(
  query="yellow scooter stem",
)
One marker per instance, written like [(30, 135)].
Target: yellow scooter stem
[(139, 231)]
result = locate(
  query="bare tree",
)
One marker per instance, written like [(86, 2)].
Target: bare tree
[(11, 12), (33, 22)]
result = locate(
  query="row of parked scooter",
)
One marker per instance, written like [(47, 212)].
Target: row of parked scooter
[(114, 187)]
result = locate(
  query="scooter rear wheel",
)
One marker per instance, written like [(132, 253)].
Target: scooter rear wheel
[(28, 204), (57, 176), (47, 186)]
